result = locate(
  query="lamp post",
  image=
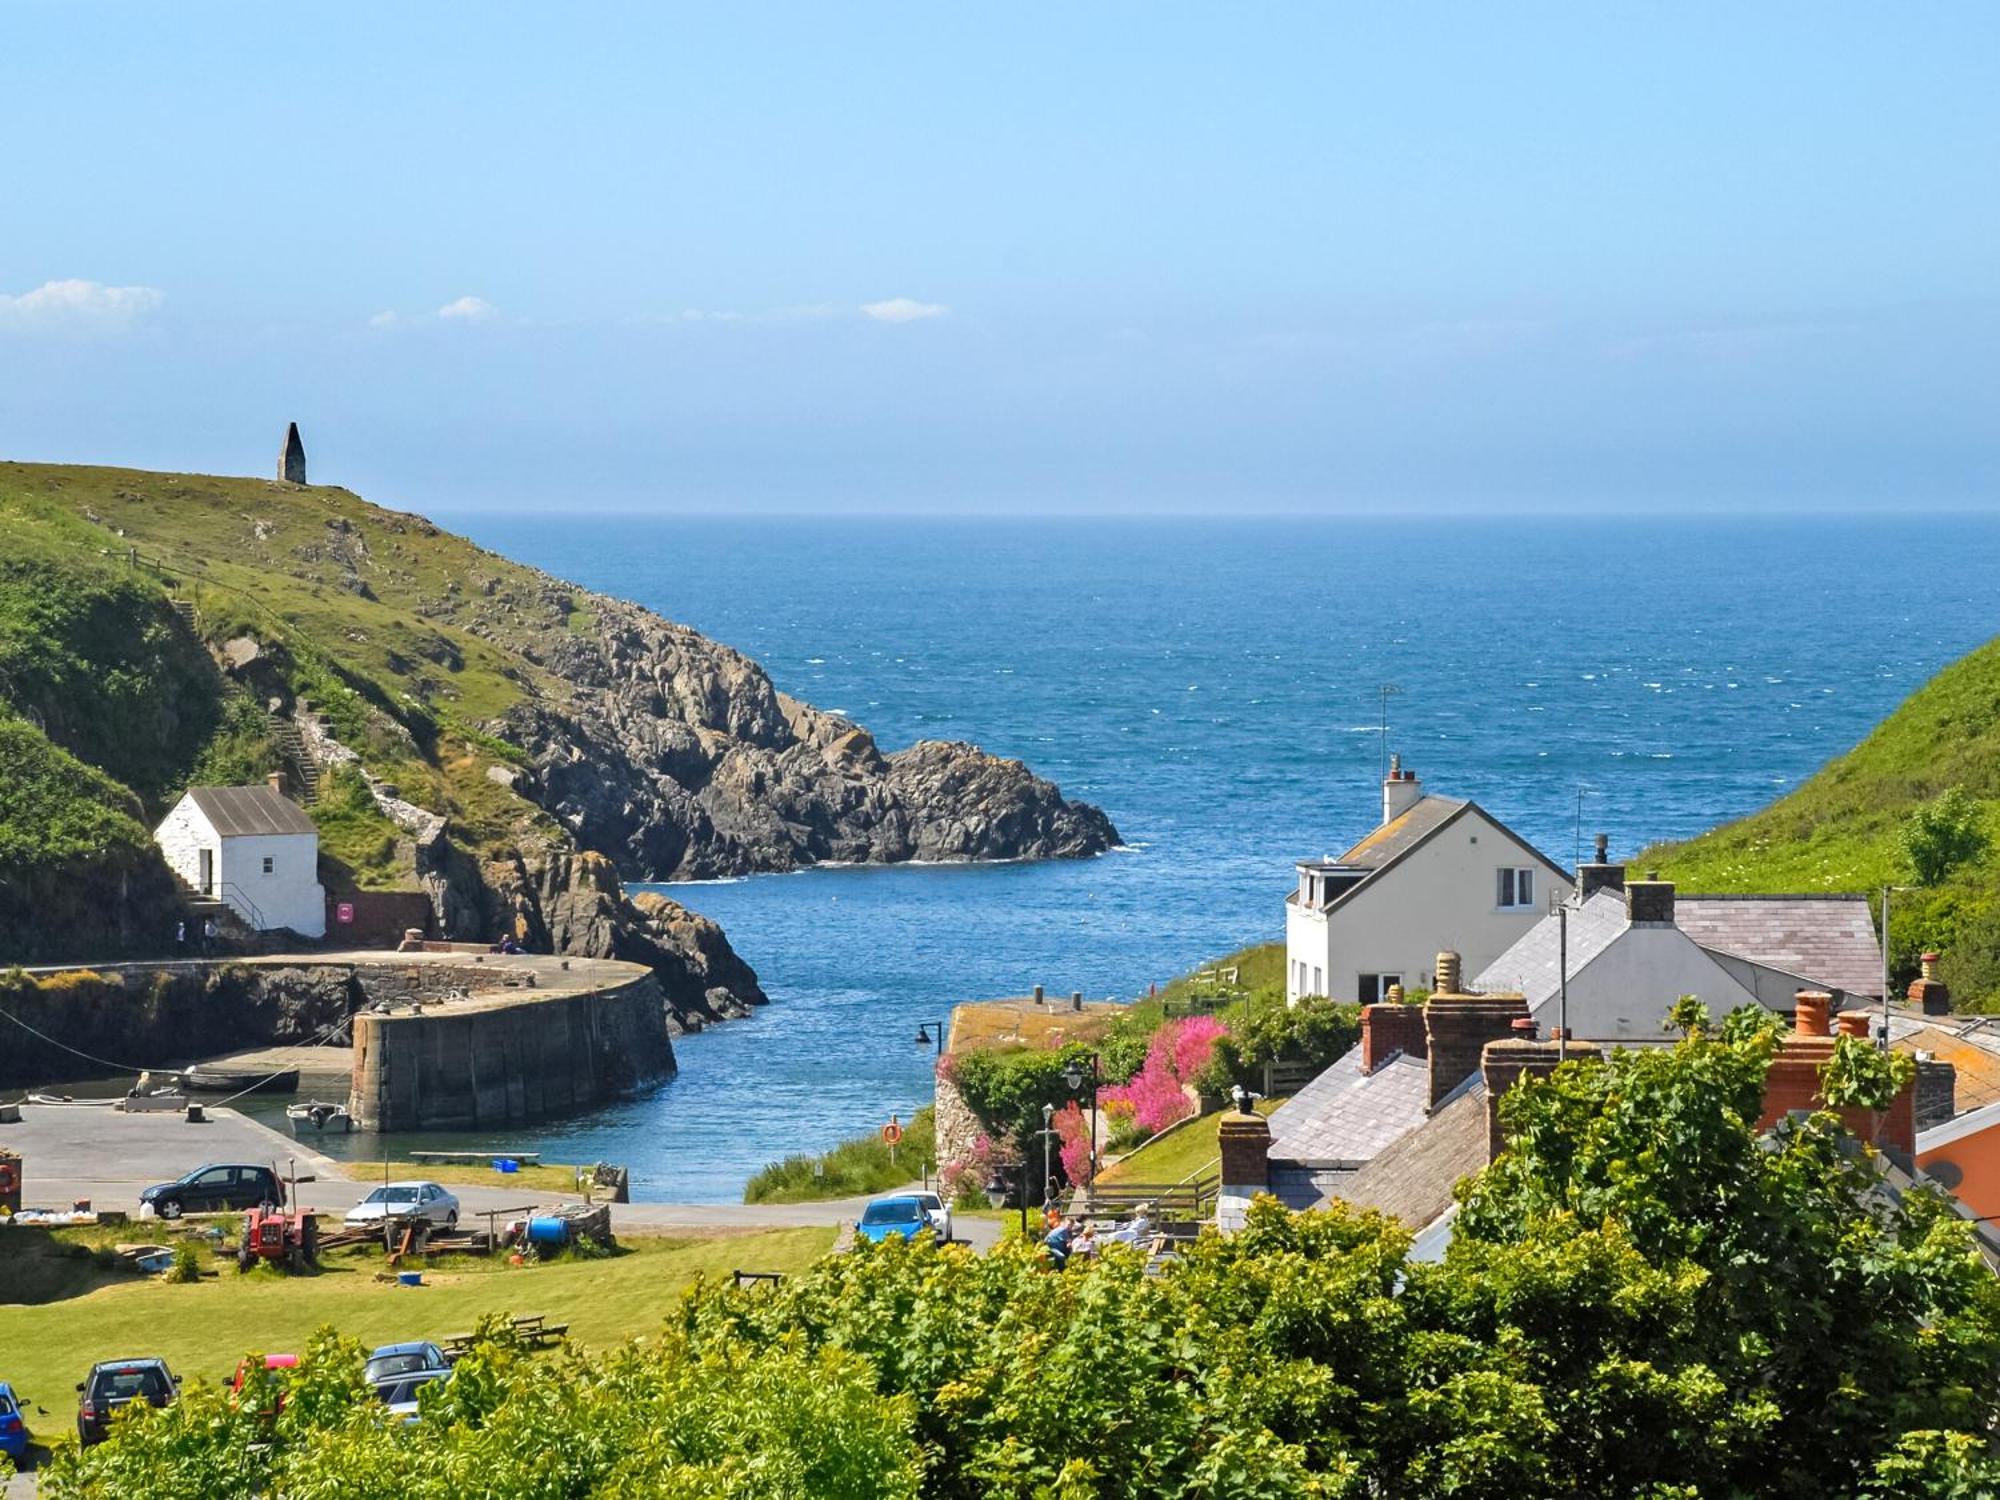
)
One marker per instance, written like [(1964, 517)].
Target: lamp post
[(924, 1039), (996, 1190), (1073, 1075), (1882, 1042), (1048, 1135)]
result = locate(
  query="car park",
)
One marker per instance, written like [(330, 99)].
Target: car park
[(114, 1384), (938, 1212), (404, 1200), (13, 1424), (394, 1364), (899, 1218), (215, 1188)]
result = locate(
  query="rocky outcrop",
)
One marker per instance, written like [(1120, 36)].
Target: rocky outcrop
[(572, 902), (678, 757)]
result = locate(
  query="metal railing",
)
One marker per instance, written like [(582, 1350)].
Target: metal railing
[(232, 895)]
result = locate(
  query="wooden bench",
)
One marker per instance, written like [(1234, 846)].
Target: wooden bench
[(752, 1278), (534, 1328)]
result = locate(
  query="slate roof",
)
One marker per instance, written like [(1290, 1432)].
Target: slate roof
[(1829, 940), (238, 811), (1347, 1117), (1533, 967), (1392, 840), (1412, 1178)]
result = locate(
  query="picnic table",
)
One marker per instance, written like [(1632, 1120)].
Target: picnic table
[(534, 1328)]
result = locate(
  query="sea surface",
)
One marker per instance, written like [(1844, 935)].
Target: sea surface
[(1215, 685)]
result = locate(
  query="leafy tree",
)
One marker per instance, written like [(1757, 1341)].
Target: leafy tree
[(1266, 1029), (1943, 834)]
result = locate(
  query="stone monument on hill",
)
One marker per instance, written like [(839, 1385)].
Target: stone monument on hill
[(292, 462)]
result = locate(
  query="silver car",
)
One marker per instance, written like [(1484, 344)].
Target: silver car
[(404, 1200)]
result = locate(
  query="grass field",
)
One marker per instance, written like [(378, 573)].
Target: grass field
[(549, 1177), (203, 1328), (1173, 1158)]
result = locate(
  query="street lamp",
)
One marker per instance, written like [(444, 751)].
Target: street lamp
[(1048, 1135), (996, 1190), (1074, 1076), (923, 1037)]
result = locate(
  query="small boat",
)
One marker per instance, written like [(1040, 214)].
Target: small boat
[(204, 1080), (69, 1099), (161, 1100), (317, 1117)]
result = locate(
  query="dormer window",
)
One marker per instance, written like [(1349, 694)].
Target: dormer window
[(1516, 889)]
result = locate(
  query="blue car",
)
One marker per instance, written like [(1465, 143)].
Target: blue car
[(894, 1219), (13, 1426)]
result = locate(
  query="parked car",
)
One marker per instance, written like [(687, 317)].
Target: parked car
[(424, 1200), (400, 1394), (271, 1362), (215, 1189), (898, 1218), (939, 1213), (392, 1365), (116, 1383), (13, 1426)]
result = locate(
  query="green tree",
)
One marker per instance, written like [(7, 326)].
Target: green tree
[(1943, 834)]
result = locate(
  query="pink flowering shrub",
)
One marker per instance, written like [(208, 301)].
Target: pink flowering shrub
[(1072, 1127), (1178, 1051), (964, 1180)]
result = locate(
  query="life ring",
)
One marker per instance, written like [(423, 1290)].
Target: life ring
[(10, 1177)]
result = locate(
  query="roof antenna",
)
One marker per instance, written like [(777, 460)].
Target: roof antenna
[(1583, 789), (1388, 690)]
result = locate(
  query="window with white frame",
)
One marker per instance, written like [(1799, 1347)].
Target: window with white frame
[(1373, 989), (1516, 889), (1319, 982), (267, 864)]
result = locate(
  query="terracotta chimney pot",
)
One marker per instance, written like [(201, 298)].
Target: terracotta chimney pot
[(1810, 1010), (1854, 1023)]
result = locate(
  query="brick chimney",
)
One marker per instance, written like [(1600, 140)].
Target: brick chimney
[(1929, 992), (1457, 1027), (1937, 1091), (1649, 902), (1244, 1142), (1389, 1029), (1794, 1080), (1401, 791), (276, 781), (1503, 1064), (1600, 874)]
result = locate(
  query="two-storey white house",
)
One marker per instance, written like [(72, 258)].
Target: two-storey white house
[(1438, 874), (252, 848)]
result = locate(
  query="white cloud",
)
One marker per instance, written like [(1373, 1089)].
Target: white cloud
[(78, 304), (468, 309), (387, 318), (902, 310)]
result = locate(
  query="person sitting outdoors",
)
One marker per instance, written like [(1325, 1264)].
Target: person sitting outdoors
[(1136, 1231), (1059, 1242)]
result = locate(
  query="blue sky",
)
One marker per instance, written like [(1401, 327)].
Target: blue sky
[(1104, 257)]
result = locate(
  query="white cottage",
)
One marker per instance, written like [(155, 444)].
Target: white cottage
[(1437, 874), (252, 848)]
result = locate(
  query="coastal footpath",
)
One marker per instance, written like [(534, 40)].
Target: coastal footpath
[(508, 745)]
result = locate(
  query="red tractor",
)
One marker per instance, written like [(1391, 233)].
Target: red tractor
[(277, 1234)]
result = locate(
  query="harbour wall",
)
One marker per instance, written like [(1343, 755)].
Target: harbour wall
[(501, 1061)]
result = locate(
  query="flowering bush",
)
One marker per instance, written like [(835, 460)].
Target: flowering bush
[(963, 1181), (1178, 1051), (1072, 1128)]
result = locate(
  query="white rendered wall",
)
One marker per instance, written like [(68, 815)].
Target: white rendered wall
[(182, 835), (291, 895), (1623, 994)]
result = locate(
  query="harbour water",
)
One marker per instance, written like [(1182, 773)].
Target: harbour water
[(1215, 686)]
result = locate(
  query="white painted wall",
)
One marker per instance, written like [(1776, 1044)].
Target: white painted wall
[(1441, 896), (1624, 993), (289, 896)]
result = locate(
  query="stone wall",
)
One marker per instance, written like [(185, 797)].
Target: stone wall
[(958, 1128), (496, 1064)]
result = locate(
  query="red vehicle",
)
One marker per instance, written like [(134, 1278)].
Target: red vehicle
[(272, 1233), (243, 1373)]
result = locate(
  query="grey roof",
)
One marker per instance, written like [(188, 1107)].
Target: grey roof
[(250, 810), (1392, 840), (1533, 965), (1345, 1116), (1412, 1178), (1829, 940)]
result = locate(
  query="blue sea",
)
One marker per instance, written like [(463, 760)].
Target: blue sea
[(1215, 685)]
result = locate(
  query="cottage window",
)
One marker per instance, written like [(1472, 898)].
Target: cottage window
[(1319, 982), (1516, 890), (267, 864), (1373, 989)]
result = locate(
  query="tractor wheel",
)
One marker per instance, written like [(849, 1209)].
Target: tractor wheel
[(245, 1260), (295, 1261), (309, 1239)]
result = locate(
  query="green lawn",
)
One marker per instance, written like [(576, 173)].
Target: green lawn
[(202, 1329), (1172, 1158)]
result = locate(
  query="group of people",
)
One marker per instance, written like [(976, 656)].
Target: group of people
[(1068, 1239), (206, 937)]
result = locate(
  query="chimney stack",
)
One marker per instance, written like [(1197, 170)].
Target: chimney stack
[(1502, 1064), (1929, 992), (1401, 791), (1389, 1029), (1600, 874), (1649, 902), (276, 781), (1457, 1028)]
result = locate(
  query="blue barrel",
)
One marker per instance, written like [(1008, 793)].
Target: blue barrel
[(505, 1164), (547, 1230)]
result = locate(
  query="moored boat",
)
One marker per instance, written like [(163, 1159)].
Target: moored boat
[(317, 1117), (203, 1080)]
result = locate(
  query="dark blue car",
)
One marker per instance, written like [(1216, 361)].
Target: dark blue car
[(13, 1426), (894, 1219)]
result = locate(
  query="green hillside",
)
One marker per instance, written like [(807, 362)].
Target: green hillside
[(1847, 828), (118, 591)]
